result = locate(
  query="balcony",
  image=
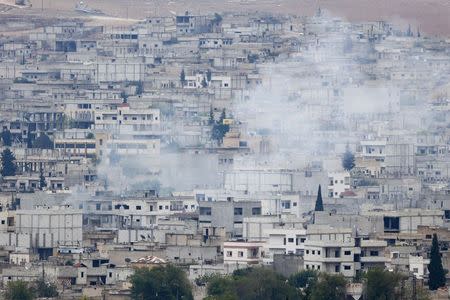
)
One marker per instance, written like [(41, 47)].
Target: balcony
[(372, 259)]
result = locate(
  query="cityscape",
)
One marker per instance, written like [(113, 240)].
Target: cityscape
[(223, 150)]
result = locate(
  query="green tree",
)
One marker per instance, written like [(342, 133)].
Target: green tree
[(183, 77), (9, 167), (252, 284), (42, 182), (204, 83), (6, 138), (211, 120), (18, 290), (139, 88), (219, 130), (348, 159), (223, 116), (43, 142), (217, 18), (221, 288), (45, 289), (319, 201), (329, 287), (381, 284), (305, 281), (163, 282), (263, 283), (436, 278)]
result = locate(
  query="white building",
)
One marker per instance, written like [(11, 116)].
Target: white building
[(285, 241), (339, 182), (243, 253)]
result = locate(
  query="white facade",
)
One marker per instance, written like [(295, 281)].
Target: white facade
[(286, 241), (246, 253), (51, 227), (339, 182)]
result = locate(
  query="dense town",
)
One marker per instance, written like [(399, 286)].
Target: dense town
[(218, 146)]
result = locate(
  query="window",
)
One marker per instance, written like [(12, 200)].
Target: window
[(336, 268), (347, 267), (290, 240), (307, 251), (240, 253), (205, 211), (313, 252), (373, 253), (286, 204), (256, 211), (347, 252), (238, 211), (138, 207), (229, 253)]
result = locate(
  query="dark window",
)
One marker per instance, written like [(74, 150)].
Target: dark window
[(205, 211), (256, 211), (238, 211)]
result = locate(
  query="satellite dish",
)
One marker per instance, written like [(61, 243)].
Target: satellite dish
[(27, 266)]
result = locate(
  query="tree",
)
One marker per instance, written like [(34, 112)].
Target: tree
[(162, 282), (204, 83), (139, 88), (348, 160), (42, 182), (6, 138), (251, 284), (263, 283), (381, 284), (9, 167), (221, 287), (305, 281), (217, 18), (219, 130), (223, 116), (45, 289), (183, 77), (211, 120), (436, 278), (319, 201), (329, 287), (18, 290), (43, 142)]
